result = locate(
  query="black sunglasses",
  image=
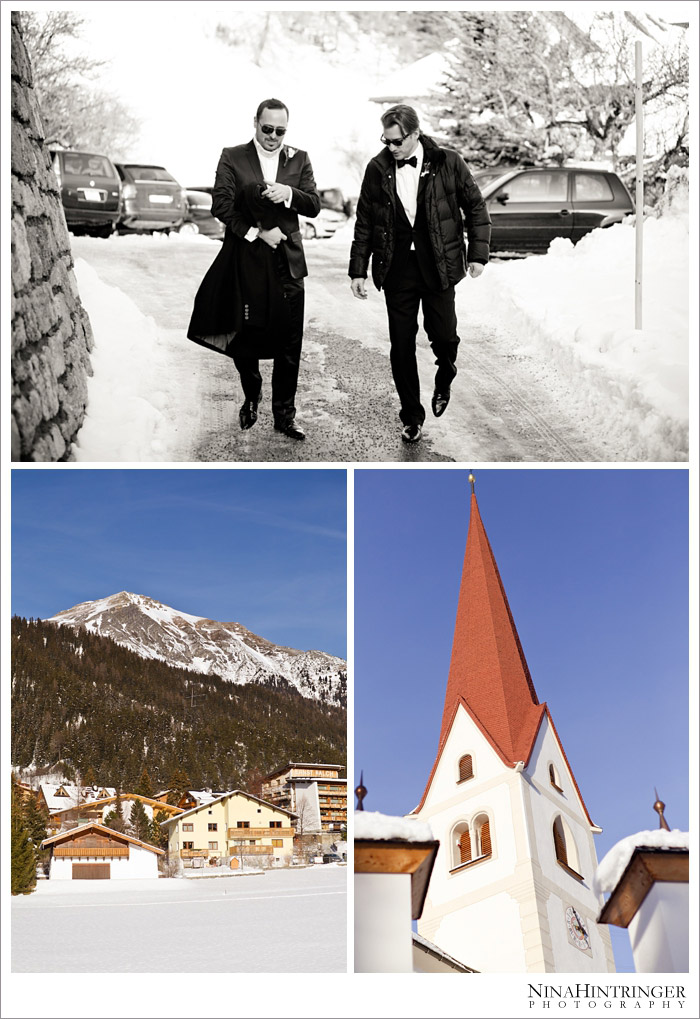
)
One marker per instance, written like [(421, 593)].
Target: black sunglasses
[(394, 141), (269, 129)]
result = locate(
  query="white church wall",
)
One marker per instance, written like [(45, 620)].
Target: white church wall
[(383, 941), (659, 930), (465, 738), (569, 958), (488, 938)]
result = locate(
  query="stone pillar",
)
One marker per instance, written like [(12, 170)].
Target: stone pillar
[(51, 334)]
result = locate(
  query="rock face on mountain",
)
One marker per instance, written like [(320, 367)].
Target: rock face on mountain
[(154, 630)]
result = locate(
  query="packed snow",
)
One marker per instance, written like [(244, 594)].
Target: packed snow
[(373, 825), (570, 311), (288, 921), (612, 866)]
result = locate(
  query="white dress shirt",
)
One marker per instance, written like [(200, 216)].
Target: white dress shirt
[(407, 178)]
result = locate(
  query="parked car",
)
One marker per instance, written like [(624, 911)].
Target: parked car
[(484, 177), (198, 217), (90, 191), (531, 206), (152, 199), (323, 225)]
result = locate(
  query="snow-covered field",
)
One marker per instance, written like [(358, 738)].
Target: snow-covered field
[(283, 921), (571, 310)]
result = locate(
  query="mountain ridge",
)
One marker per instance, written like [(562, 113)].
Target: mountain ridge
[(154, 630)]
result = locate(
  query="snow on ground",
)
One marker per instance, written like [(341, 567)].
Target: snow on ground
[(612, 866), (287, 921), (373, 825), (571, 310), (575, 307)]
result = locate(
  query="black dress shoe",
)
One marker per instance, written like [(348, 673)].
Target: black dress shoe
[(248, 414), (439, 402), (411, 433), (292, 429)]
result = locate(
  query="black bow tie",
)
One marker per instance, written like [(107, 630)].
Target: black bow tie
[(413, 161)]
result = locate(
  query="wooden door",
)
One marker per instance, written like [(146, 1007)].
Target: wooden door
[(91, 871)]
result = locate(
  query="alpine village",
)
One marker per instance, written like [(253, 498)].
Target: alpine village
[(125, 765)]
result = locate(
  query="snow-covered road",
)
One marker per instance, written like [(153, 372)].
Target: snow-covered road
[(537, 381), (281, 921)]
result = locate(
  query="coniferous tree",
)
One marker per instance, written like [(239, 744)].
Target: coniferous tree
[(178, 785), (139, 821), (158, 836), (22, 851), (144, 786)]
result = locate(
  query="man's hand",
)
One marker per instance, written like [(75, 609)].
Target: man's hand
[(277, 192), (358, 288), (475, 269), (272, 237)]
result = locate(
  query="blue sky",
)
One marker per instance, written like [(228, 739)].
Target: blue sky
[(595, 566), (266, 548)]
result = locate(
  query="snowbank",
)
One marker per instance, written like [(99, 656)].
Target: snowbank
[(130, 411), (612, 866), (575, 307), (373, 825)]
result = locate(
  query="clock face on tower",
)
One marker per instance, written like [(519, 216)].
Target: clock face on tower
[(578, 932)]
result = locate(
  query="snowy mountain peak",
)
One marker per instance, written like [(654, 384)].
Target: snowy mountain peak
[(154, 630)]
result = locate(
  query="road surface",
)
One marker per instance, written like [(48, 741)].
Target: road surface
[(505, 406)]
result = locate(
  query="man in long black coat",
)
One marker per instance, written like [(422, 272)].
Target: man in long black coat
[(251, 303), (409, 221)]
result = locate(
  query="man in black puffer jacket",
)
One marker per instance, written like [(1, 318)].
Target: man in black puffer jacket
[(409, 221)]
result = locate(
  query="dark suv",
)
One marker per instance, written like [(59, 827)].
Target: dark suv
[(152, 199), (90, 188), (530, 207)]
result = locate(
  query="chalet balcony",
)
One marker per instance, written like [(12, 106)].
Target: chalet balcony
[(260, 833), (86, 851), (190, 854)]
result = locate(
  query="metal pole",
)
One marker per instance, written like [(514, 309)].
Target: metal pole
[(639, 194)]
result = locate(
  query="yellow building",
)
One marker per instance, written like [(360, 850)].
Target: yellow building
[(232, 830)]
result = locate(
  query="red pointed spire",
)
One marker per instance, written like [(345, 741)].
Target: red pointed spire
[(488, 672)]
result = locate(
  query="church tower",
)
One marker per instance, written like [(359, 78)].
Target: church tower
[(511, 886)]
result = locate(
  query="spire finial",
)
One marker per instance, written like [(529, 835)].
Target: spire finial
[(659, 807), (360, 792), (472, 480)]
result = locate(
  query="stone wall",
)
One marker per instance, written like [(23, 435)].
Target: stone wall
[(51, 334)]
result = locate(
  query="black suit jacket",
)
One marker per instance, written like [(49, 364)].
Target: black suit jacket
[(239, 166), (217, 317)]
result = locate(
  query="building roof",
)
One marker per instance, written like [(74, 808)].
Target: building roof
[(73, 794), (423, 945), (69, 836), (234, 792), (105, 801), (489, 675)]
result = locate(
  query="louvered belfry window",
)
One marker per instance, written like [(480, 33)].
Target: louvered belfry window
[(465, 847), (465, 768), (485, 838), (559, 844)]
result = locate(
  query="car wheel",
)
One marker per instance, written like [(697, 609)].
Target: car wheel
[(309, 232), (189, 228)]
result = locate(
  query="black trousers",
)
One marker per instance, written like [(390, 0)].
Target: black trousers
[(255, 342), (403, 300)]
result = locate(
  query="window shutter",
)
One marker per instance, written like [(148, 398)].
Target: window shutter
[(485, 839), (465, 847), (559, 845), (465, 768)]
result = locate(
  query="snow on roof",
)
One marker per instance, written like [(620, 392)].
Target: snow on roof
[(613, 865), (427, 946), (86, 794), (103, 829), (383, 827), (416, 79), (223, 796)]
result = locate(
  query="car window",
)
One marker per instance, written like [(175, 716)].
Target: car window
[(592, 187), (82, 163), (535, 187), (140, 173)]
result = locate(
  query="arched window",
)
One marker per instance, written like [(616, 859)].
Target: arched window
[(482, 835), (554, 778), (470, 841), (565, 847), (466, 769), (461, 844)]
